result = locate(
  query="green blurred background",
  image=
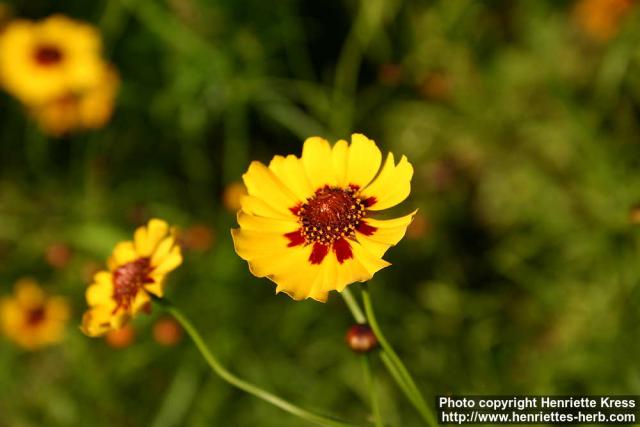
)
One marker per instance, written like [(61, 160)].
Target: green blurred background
[(520, 276)]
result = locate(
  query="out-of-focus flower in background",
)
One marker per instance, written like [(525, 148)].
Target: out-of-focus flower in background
[(197, 238), (232, 195), (80, 110), (167, 332), (121, 338), (32, 319), (601, 19), (436, 86), (55, 68), (137, 270), (306, 224), (390, 74), (58, 255), (5, 14), (419, 228)]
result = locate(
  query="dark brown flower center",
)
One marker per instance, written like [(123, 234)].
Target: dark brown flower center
[(331, 214), (35, 316), (47, 55), (128, 279)]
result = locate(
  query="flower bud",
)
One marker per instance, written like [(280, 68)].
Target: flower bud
[(361, 339)]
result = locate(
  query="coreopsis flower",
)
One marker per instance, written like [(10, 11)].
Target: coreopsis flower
[(601, 19), (83, 110), (137, 270), (307, 223), (45, 60), (32, 319)]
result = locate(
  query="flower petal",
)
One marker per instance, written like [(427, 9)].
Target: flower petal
[(258, 223), (262, 183), (162, 250), (101, 291), (363, 162), (169, 262), (141, 302), (148, 237), (257, 206), (251, 244), (123, 253), (392, 185), (387, 233), (340, 155), (96, 321), (317, 161), (291, 173)]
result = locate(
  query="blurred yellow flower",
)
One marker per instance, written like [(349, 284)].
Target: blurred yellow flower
[(31, 319), (232, 195), (80, 110), (137, 270), (306, 223), (45, 60), (601, 19)]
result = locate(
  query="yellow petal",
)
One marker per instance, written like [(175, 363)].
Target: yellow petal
[(340, 154), (123, 253), (317, 161), (369, 262), (290, 172), (148, 237), (250, 244), (363, 161), (263, 184), (101, 292), (28, 293), (162, 250), (140, 302), (258, 223), (57, 309), (388, 233), (96, 322), (392, 185), (256, 206), (157, 287), (170, 262)]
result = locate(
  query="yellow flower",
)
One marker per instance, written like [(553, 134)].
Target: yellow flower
[(45, 60), (78, 111), (31, 319), (307, 222), (137, 270)]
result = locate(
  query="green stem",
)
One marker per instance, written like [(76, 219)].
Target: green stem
[(355, 309), (402, 375), (241, 384), (366, 361)]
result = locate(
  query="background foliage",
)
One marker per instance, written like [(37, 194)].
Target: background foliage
[(520, 275)]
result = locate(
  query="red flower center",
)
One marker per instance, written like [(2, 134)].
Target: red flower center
[(331, 214), (47, 55), (35, 316), (128, 279)]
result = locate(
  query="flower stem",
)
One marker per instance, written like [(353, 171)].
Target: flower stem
[(395, 365), (355, 309), (241, 384), (366, 362)]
